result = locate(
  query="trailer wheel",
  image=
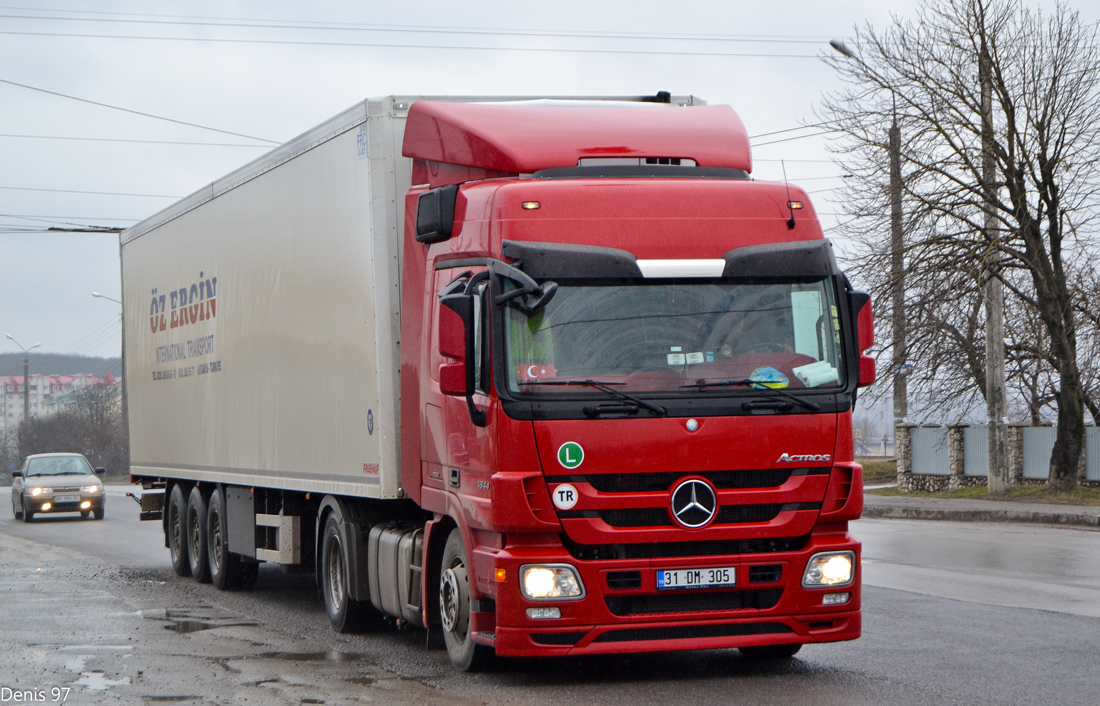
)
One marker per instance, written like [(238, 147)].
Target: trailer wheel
[(177, 535), (225, 566), (770, 652), (345, 614), (196, 536), (454, 608)]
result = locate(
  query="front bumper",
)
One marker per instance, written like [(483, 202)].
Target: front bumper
[(36, 504), (624, 611)]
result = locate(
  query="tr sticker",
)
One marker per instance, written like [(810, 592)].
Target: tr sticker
[(570, 454), (565, 496)]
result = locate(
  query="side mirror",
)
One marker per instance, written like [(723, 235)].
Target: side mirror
[(435, 214), (456, 326), (865, 336), (100, 471), (17, 474)]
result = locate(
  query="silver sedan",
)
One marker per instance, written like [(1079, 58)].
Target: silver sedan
[(49, 483)]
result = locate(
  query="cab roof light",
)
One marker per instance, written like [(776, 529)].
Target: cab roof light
[(531, 205)]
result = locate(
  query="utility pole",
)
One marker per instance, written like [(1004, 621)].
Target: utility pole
[(26, 377), (897, 279), (998, 480)]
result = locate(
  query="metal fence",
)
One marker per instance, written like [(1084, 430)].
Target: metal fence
[(1092, 453), (930, 452), (976, 451), (1038, 445)]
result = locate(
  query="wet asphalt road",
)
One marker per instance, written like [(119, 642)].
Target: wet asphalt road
[(953, 613)]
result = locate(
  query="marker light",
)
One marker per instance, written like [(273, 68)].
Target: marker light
[(551, 582), (501, 575), (794, 205), (829, 569), (531, 205)]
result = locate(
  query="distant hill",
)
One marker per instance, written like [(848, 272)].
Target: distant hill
[(58, 364)]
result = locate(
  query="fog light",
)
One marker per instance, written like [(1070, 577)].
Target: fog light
[(544, 613), (835, 598), (85, 505), (46, 506), (550, 582), (829, 569)]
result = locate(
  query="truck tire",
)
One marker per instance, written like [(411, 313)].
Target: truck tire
[(196, 536), (770, 652), (226, 569), (454, 608), (345, 614), (174, 527)]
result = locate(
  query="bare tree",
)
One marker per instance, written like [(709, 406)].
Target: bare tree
[(1045, 74), (91, 424)]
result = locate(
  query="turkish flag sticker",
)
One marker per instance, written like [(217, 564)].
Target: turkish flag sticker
[(531, 372)]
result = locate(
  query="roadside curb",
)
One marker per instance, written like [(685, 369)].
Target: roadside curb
[(877, 507)]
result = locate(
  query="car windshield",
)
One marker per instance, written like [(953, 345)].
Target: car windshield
[(687, 337), (58, 466)]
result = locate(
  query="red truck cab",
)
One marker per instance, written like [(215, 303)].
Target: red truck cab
[(627, 382)]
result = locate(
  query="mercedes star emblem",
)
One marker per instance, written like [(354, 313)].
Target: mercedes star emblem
[(693, 503)]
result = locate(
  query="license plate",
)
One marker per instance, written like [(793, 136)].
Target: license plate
[(66, 498), (709, 577)]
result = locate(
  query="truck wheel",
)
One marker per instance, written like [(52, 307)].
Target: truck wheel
[(454, 608), (196, 536), (225, 566), (345, 614), (770, 652), (177, 535)]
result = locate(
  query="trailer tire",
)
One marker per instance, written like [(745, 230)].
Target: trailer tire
[(345, 614), (226, 569), (174, 527), (454, 608), (770, 652), (196, 536)]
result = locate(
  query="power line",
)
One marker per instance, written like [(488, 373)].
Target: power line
[(391, 45), (788, 139), (128, 110), (790, 129), (95, 193), (139, 142), (55, 219)]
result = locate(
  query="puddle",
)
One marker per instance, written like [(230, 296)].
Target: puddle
[(167, 699), (97, 681), (186, 626), (363, 681), (329, 656)]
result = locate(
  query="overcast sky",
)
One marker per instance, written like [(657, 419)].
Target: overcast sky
[(280, 67)]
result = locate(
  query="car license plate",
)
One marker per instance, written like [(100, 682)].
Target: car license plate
[(66, 498), (716, 577)]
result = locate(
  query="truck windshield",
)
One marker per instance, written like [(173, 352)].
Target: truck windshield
[(677, 336)]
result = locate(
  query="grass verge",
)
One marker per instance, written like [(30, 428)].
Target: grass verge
[(876, 472), (1019, 493)]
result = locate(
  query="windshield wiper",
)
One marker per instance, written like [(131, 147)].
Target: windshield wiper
[(604, 387), (756, 386)]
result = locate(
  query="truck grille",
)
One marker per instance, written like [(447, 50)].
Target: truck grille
[(694, 602), (683, 632), (658, 516), (671, 550), (662, 482)]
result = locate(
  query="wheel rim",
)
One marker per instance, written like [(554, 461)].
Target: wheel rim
[(177, 534), (195, 531), (215, 543), (335, 570), (452, 605)]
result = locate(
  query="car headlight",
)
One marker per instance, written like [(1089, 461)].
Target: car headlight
[(829, 569), (91, 489), (550, 582), (38, 491)]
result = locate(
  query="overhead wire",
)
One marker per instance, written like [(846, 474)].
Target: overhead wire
[(139, 142)]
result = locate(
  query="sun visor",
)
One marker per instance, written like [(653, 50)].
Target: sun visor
[(805, 258)]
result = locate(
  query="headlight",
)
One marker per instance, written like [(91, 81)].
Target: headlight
[(550, 582), (38, 491), (91, 489), (829, 569)]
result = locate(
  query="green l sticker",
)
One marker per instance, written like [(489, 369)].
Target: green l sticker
[(570, 455)]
